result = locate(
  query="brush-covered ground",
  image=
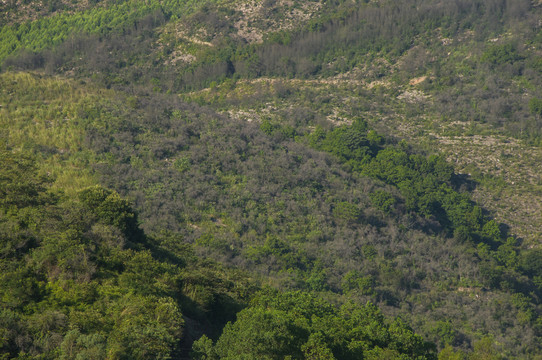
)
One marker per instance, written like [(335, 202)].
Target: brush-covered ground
[(277, 166)]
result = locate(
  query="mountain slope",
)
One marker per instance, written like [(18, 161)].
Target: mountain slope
[(299, 141)]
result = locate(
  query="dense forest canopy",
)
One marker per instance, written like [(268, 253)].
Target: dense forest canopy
[(270, 179)]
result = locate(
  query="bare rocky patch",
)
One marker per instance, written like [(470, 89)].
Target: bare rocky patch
[(256, 18)]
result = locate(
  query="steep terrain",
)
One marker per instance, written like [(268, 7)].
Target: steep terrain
[(330, 153)]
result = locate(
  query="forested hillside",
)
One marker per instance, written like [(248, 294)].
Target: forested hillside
[(271, 179)]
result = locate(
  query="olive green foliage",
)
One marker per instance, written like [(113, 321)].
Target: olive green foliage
[(110, 208), (81, 287), (307, 222), (426, 183), (346, 212), (352, 144), (124, 16), (383, 200), (535, 106), (500, 54), (129, 268), (299, 326), (427, 186), (277, 130), (304, 219), (77, 280), (116, 45)]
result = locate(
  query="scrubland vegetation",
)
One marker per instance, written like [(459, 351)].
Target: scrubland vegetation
[(271, 179)]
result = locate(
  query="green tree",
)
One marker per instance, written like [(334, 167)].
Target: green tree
[(345, 212), (382, 200), (316, 348), (448, 353), (261, 333), (110, 208)]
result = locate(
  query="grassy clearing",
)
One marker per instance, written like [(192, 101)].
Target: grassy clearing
[(45, 117)]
